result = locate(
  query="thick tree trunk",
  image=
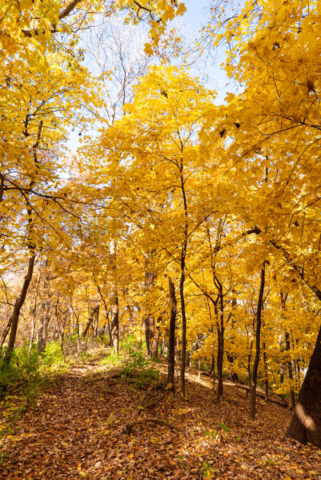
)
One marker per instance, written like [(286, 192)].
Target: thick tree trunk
[(171, 338), (257, 346), (305, 425), (18, 305)]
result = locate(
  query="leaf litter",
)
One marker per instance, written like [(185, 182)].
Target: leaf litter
[(76, 430)]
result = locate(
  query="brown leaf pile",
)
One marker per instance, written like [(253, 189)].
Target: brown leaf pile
[(73, 432)]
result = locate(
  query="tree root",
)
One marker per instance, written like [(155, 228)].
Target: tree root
[(128, 427)]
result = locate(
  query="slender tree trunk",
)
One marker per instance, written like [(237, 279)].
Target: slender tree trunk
[(154, 341), (182, 280), (114, 301), (6, 331), (42, 332), (114, 315), (257, 346), (288, 349), (93, 314), (213, 371), (149, 323), (184, 328), (219, 361), (212, 366), (18, 305), (105, 306), (266, 379), (171, 337), (220, 343)]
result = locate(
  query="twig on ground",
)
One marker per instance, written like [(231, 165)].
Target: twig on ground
[(128, 427)]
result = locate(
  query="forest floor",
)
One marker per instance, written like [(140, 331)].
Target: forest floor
[(74, 431)]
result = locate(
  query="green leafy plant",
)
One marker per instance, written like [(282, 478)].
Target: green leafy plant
[(211, 434), (181, 460), (155, 359), (138, 370), (224, 427), (2, 457), (22, 372), (207, 470), (53, 356), (129, 344)]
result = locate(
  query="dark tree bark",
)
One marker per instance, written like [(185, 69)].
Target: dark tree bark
[(114, 327), (114, 300), (171, 337), (257, 346), (94, 312), (6, 331), (220, 341), (290, 371), (219, 361), (149, 321), (105, 307), (266, 376), (305, 425), (18, 305), (184, 326)]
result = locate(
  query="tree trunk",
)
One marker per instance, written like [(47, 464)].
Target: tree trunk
[(114, 322), (42, 332), (6, 331), (184, 329), (93, 313), (266, 376), (257, 346), (114, 301), (149, 323), (305, 425), (153, 346), (288, 349), (171, 337), (18, 305), (219, 361)]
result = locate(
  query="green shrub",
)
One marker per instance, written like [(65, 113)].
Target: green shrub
[(155, 359), (52, 356), (129, 344), (138, 370), (22, 372)]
